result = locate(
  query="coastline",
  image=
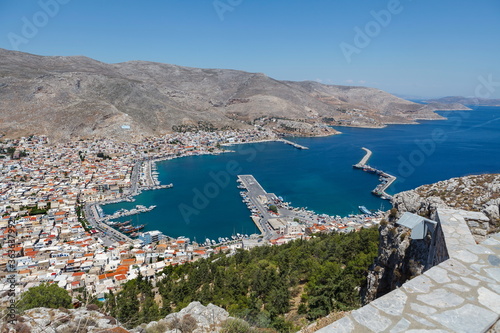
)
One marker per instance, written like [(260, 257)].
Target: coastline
[(136, 189)]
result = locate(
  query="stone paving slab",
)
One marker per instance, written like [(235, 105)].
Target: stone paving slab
[(461, 294)]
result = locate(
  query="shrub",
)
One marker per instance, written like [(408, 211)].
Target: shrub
[(235, 326), (112, 320), (45, 295), (188, 324), (22, 328), (159, 327)]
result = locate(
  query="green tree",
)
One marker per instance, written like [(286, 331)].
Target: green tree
[(273, 209), (45, 295)]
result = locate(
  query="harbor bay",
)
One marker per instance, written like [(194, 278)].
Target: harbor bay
[(205, 201)]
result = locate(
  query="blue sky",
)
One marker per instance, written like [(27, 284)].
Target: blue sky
[(427, 48)]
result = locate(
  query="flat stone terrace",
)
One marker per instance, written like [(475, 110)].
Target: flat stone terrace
[(461, 294)]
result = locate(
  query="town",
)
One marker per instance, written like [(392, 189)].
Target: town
[(50, 198)]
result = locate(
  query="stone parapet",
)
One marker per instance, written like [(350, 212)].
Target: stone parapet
[(461, 294)]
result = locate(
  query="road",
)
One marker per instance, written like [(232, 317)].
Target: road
[(107, 233)]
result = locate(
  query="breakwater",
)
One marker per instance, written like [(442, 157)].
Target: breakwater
[(386, 179)]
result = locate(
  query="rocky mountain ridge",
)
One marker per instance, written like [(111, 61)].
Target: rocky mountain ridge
[(71, 97)]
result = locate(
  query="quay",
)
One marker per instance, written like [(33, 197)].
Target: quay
[(110, 235), (385, 178), (293, 144), (364, 160), (257, 200), (387, 181)]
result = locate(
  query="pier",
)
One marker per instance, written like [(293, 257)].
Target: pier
[(385, 178), (387, 181), (293, 144), (257, 200), (364, 160)]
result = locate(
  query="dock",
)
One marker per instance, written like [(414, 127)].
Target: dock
[(385, 178), (257, 200), (364, 160), (293, 144), (387, 181)]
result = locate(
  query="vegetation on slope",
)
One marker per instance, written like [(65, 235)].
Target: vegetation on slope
[(267, 286), (46, 296)]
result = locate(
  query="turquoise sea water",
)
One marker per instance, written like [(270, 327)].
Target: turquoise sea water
[(321, 178)]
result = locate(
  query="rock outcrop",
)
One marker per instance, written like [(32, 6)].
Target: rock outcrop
[(195, 318), (400, 257), (479, 193), (45, 320)]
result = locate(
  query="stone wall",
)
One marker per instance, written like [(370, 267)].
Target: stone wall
[(460, 294)]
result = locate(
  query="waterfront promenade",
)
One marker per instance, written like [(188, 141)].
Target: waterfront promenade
[(108, 235)]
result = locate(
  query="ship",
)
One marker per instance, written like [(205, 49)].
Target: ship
[(134, 229), (364, 210), (122, 224)]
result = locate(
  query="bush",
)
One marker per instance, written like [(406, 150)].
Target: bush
[(92, 307), (159, 327), (22, 328), (235, 326), (393, 213), (45, 295), (188, 324), (111, 320)]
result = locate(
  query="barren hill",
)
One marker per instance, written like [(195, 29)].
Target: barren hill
[(70, 97)]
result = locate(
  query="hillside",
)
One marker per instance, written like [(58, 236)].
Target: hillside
[(69, 97), (278, 287)]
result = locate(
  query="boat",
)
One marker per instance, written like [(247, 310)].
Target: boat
[(121, 224), (364, 210)]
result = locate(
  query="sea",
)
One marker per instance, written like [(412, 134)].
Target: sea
[(205, 201)]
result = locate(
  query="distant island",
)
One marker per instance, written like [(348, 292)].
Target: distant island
[(78, 97), (466, 101)]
